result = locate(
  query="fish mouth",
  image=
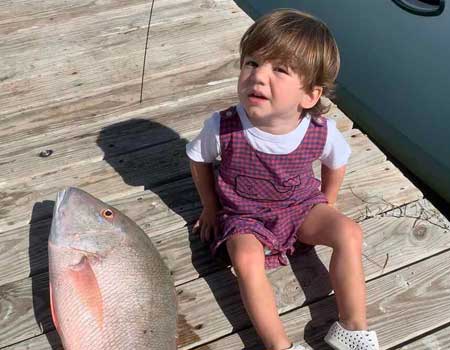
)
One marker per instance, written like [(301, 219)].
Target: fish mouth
[(62, 196), (59, 199)]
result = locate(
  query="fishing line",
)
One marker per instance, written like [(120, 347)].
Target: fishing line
[(145, 53)]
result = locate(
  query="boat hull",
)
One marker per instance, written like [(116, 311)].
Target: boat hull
[(394, 81)]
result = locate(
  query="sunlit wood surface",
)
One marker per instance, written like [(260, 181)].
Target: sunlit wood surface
[(70, 83)]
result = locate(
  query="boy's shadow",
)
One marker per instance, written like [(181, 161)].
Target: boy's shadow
[(314, 280), (38, 259), (136, 169)]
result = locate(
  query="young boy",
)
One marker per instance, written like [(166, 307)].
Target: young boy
[(266, 197)]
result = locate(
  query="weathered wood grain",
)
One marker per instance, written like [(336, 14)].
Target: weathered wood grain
[(20, 15), (111, 179), (47, 341), (118, 134), (70, 80), (210, 307), (168, 207), (401, 305), (342, 121), (129, 132), (26, 305), (106, 50), (437, 340), (361, 187), (390, 243), (117, 176), (24, 250), (75, 118), (413, 225)]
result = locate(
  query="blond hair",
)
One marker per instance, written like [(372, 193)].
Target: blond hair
[(300, 41)]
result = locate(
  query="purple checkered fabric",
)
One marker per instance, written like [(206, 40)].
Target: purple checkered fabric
[(264, 194)]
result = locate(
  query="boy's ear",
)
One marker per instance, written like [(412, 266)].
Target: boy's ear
[(309, 100)]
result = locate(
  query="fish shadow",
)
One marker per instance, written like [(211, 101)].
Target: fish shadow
[(38, 260), (149, 154)]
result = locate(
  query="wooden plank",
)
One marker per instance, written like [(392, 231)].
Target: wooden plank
[(24, 250), (46, 106), (122, 175), (336, 114), (210, 307), (188, 258), (163, 209), (47, 341), (129, 173), (75, 118), (380, 188), (364, 153), (117, 134), (96, 53), (20, 15), (401, 305), (390, 243), (27, 302), (92, 22), (437, 340), (127, 132)]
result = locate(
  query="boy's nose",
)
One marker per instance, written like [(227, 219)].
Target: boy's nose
[(260, 74)]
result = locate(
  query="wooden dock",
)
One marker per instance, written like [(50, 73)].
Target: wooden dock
[(70, 80)]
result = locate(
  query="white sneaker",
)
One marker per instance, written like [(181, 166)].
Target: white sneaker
[(340, 338)]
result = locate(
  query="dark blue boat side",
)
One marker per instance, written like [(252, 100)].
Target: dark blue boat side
[(395, 75)]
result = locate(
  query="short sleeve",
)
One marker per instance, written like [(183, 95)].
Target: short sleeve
[(206, 146), (336, 151)]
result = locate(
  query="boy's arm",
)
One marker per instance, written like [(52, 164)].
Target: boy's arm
[(331, 182), (203, 176)]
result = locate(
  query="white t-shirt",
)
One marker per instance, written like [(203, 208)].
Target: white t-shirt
[(206, 146)]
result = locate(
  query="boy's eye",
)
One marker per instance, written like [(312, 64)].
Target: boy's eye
[(251, 63), (282, 70)]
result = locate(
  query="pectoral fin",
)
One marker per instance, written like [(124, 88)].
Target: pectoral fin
[(52, 308), (86, 287)]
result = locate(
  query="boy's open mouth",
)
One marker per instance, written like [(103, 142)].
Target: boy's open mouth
[(256, 95)]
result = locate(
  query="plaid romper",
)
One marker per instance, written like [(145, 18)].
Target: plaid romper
[(267, 195)]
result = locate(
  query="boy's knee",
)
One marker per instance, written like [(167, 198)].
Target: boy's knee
[(245, 258), (349, 234)]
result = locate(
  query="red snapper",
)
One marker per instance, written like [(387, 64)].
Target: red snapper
[(109, 287)]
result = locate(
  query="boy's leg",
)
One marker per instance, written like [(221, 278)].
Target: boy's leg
[(325, 225), (247, 256)]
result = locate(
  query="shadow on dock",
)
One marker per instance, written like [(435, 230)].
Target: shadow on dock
[(38, 255), (314, 280), (121, 138)]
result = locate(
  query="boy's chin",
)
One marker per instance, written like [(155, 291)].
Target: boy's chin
[(256, 112), (256, 108)]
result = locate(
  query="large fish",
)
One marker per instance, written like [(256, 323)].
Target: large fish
[(109, 287)]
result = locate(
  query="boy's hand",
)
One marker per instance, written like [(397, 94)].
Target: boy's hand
[(206, 224)]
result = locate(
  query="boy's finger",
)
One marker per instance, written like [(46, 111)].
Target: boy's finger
[(196, 227), (205, 233), (202, 233)]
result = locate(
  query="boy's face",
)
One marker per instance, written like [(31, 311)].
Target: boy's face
[(272, 92)]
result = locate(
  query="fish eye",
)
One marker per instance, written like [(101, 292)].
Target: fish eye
[(107, 213)]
